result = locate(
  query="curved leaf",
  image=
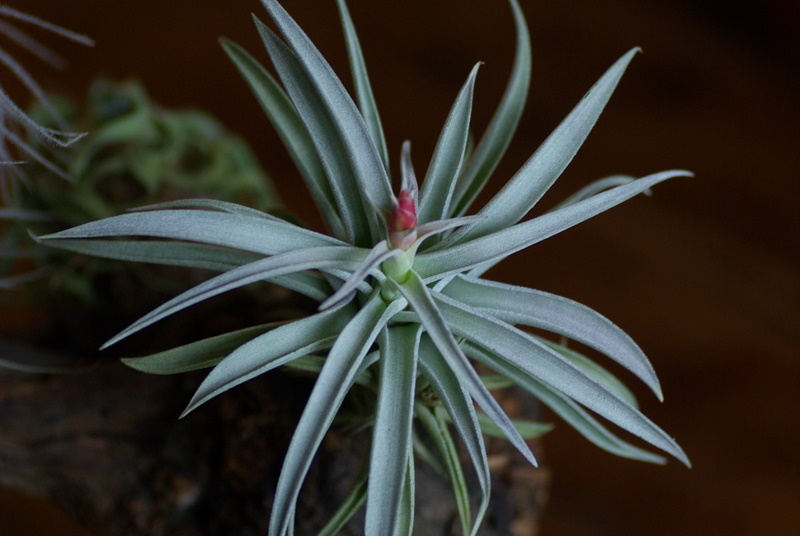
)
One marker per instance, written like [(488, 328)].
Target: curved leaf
[(462, 413), (335, 379), (536, 176), (536, 359), (564, 407), (366, 100), (529, 307), (271, 350), (419, 298), (292, 131), (501, 129), (437, 189), (282, 264), (200, 354), (235, 231), (391, 436), (496, 246)]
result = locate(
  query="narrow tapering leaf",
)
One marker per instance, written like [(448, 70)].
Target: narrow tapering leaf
[(531, 182), (391, 436), (501, 129), (200, 354), (462, 413), (496, 246), (261, 270), (271, 350), (369, 171), (324, 131), (529, 307), (435, 424), (335, 379), (246, 233), (420, 300), (448, 156), (364, 96), (291, 130), (535, 358), (564, 407)]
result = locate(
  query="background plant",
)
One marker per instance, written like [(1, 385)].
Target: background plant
[(403, 305)]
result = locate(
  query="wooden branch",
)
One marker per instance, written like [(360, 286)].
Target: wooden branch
[(106, 445)]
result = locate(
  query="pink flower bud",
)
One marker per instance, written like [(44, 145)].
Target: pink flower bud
[(404, 213)]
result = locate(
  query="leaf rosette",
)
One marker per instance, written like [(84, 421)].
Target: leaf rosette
[(403, 304)]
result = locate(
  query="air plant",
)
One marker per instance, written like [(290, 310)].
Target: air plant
[(404, 309), (13, 119)]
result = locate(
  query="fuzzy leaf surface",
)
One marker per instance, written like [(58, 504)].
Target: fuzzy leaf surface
[(529, 307)]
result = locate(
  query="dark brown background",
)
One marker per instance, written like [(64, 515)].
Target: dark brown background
[(704, 275)]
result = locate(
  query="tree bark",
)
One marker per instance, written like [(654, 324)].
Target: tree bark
[(106, 444)]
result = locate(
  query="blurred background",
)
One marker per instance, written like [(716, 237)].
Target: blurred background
[(705, 274)]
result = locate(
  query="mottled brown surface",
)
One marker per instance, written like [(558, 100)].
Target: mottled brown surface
[(704, 275)]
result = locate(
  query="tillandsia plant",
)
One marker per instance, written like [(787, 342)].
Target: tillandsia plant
[(404, 309)]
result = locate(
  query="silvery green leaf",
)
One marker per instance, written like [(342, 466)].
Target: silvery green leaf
[(501, 129), (160, 252), (536, 176), (208, 204), (200, 354), (391, 437), (405, 518), (373, 260), (448, 156), (529, 307), (419, 298), (600, 374), (435, 423), (491, 248), (549, 367), (364, 96), (335, 379), (462, 413), (269, 351), (235, 231), (595, 188), (261, 270), (527, 429), (360, 151), (292, 131), (324, 132), (564, 407)]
